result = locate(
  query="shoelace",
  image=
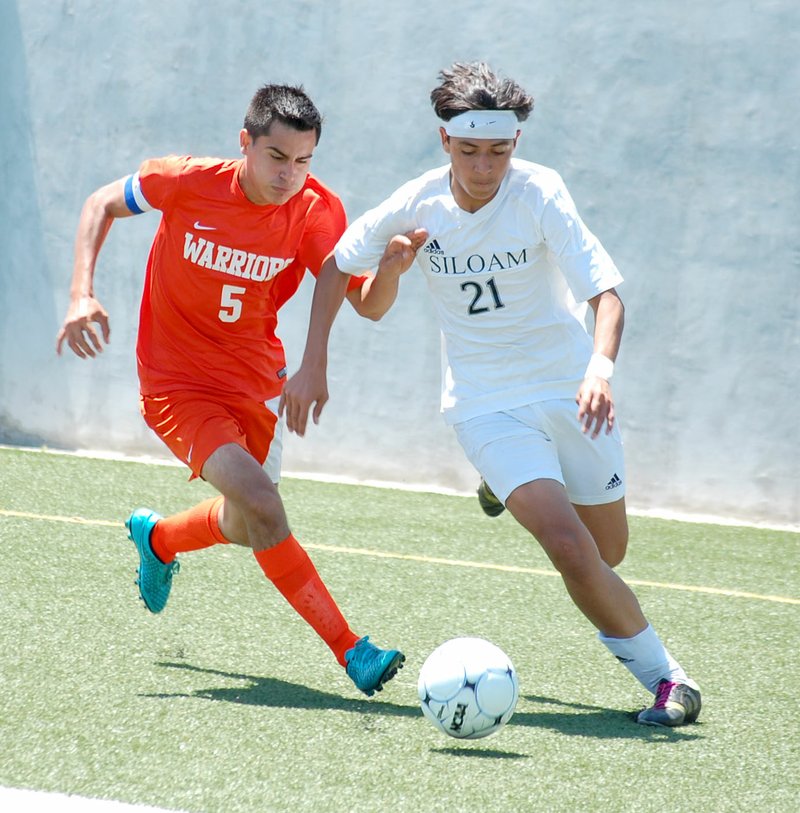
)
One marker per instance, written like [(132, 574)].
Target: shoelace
[(360, 650), (662, 694)]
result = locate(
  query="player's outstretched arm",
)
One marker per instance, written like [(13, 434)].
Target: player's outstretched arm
[(309, 385), (84, 311), (594, 398), (379, 293)]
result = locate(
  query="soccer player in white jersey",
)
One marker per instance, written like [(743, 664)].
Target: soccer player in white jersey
[(512, 269)]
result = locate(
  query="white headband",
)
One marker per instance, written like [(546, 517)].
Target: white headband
[(500, 124)]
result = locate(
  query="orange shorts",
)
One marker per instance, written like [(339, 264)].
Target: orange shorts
[(194, 425)]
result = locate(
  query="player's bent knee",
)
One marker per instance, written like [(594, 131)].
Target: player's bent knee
[(267, 534), (265, 518), (572, 553)]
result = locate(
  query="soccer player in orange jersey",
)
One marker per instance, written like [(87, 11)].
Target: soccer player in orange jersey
[(235, 239)]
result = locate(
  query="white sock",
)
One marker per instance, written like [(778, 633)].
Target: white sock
[(646, 658)]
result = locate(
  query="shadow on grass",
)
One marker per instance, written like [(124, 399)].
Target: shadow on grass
[(485, 753), (595, 722), (275, 693)]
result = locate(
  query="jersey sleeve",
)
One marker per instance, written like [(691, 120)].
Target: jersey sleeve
[(362, 245), (326, 222), (586, 265), (159, 180)]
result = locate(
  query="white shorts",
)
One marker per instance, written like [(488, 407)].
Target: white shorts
[(272, 465), (545, 441)]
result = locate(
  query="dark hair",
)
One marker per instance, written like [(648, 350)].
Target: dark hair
[(474, 86), (284, 103)]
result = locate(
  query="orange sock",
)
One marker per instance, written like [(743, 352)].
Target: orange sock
[(194, 529), (291, 570)]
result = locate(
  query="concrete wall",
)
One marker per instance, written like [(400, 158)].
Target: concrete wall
[(674, 125)]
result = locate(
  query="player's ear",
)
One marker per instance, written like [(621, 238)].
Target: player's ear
[(445, 140), (244, 140)]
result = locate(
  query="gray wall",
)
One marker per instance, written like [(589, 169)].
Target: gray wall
[(674, 125)]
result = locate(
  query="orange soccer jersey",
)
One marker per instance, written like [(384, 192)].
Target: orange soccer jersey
[(219, 268)]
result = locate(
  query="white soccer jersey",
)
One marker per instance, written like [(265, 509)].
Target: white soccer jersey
[(509, 283)]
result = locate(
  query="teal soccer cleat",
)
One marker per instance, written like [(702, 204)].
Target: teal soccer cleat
[(676, 704), (369, 667), (153, 577)]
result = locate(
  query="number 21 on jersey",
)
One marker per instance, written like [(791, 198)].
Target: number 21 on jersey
[(480, 297)]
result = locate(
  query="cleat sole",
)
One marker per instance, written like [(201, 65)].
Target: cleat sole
[(391, 670)]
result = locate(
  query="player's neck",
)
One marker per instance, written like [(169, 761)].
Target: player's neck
[(246, 187), (250, 190), (465, 200)]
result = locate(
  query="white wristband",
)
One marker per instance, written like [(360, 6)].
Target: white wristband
[(599, 366)]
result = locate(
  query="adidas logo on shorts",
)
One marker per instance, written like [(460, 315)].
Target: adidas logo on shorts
[(614, 482)]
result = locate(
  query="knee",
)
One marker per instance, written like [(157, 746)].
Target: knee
[(572, 552), (265, 519)]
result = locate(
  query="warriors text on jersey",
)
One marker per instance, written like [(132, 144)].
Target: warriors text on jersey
[(509, 284), (219, 269)]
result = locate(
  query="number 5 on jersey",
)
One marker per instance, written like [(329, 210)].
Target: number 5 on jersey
[(231, 307)]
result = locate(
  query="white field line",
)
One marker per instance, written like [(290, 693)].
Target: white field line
[(378, 554), (655, 513), (13, 800)]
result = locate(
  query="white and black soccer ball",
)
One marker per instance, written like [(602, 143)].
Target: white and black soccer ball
[(468, 688)]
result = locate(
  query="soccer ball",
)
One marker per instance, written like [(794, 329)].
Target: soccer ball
[(468, 688)]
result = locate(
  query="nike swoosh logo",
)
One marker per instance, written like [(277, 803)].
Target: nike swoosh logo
[(200, 227)]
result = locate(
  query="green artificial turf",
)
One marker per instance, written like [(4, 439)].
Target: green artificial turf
[(228, 702)]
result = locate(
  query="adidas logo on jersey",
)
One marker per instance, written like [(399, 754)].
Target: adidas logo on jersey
[(433, 248), (614, 482)]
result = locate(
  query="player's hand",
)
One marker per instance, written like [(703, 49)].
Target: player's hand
[(400, 252), (78, 330), (595, 405), (305, 388)]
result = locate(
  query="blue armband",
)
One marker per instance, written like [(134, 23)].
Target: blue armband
[(134, 197)]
